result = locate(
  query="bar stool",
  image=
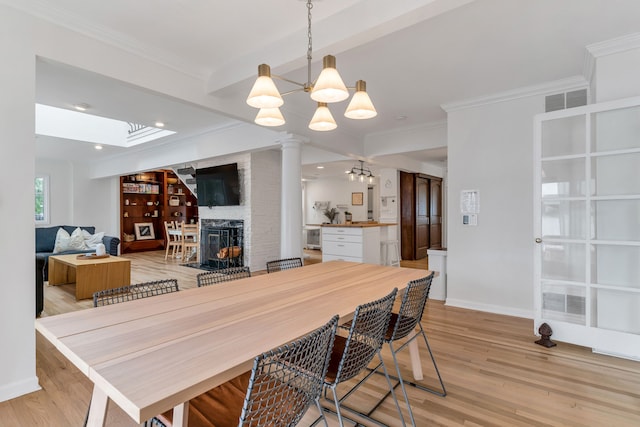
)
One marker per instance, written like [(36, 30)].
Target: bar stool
[(390, 252)]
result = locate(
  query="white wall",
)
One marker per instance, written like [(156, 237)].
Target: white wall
[(338, 192), (266, 172), (490, 266), (17, 290)]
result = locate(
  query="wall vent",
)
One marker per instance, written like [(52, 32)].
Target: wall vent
[(561, 101)]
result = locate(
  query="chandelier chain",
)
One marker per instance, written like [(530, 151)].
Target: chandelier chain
[(310, 45)]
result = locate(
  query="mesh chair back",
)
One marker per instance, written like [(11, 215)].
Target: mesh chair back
[(414, 301), (283, 264), (287, 380), (224, 275), (132, 292), (366, 334)]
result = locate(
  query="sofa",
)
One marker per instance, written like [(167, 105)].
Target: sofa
[(45, 244)]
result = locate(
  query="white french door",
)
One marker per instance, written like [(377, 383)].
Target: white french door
[(587, 225)]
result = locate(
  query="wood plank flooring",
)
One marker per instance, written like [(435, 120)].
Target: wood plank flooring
[(495, 375)]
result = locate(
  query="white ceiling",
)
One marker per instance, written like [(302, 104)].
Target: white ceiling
[(415, 55)]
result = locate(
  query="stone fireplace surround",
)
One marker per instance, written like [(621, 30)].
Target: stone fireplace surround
[(216, 234)]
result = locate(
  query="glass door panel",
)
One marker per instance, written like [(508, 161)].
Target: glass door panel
[(617, 175), (563, 137), (563, 261), (565, 303), (563, 178), (564, 219), (616, 129), (618, 220), (616, 311), (617, 266)]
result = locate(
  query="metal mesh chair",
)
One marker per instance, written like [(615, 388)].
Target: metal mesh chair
[(352, 354), (282, 385), (283, 264), (403, 323), (132, 292), (224, 275)]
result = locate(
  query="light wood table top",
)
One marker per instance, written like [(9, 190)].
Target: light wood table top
[(153, 354)]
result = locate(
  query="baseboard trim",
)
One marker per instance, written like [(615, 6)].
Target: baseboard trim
[(19, 388), (489, 308)]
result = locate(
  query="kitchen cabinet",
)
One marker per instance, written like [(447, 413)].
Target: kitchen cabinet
[(353, 242)]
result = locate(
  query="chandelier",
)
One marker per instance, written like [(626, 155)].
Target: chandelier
[(361, 172), (328, 88)]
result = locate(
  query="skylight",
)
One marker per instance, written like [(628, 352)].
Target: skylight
[(68, 124)]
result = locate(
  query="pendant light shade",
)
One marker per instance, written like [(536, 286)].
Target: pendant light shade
[(360, 106), (329, 87), (264, 93), (269, 117), (322, 119)]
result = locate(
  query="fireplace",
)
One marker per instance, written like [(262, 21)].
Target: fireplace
[(222, 243)]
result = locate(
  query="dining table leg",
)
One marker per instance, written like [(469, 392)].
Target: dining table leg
[(414, 354), (181, 415), (98, 408)]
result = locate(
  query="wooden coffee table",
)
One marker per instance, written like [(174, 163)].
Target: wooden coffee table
[(89, 275)]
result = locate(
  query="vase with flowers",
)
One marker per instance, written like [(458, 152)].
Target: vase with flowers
[(331, 214)]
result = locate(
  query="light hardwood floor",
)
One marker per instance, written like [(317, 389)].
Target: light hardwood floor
[(495, 375)]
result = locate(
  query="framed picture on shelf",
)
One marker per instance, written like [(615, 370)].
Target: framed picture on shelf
[(356, 199), (144, 231)]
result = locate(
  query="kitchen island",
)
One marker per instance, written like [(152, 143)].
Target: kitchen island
[(357, 242)]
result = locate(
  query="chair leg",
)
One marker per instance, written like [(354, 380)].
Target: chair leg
[(391, 392), (326, 424)]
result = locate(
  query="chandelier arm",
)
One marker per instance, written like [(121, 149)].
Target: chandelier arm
[(287, 80), (292, 91)]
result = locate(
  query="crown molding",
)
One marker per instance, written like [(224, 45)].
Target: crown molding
[(617, 45), (607, 47), (46, 11), (563, 85)]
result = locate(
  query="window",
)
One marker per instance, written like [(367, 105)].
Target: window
[(42, 199)]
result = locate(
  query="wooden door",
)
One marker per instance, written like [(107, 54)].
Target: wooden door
[(422, 218), (407, 215), (435, 213)]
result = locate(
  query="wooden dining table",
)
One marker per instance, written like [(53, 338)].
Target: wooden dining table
[(153, 354)]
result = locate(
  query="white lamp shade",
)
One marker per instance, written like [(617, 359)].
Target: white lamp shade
[(322, 119), (360, 107), (264, 94), (269, 117), (329, 87)]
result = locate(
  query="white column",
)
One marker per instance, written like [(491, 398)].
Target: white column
[(291, 205)]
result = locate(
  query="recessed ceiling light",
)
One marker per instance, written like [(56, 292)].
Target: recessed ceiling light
[(160, 124), (98, 147), (82, 107), (319, 167)]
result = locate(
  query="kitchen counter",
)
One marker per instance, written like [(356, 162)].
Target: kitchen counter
[(359, 224)]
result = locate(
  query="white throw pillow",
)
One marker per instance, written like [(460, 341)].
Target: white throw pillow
[(91, 240), (66, 242)]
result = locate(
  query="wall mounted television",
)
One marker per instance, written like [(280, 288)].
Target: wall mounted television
[(218, 185)]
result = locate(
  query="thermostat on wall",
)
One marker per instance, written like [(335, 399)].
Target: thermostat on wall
[(470, 219)]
